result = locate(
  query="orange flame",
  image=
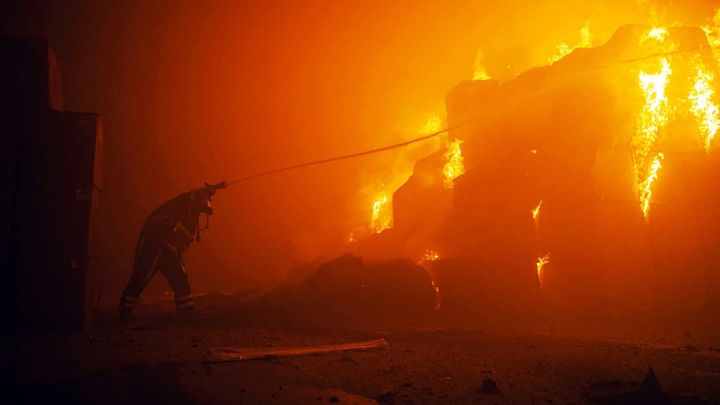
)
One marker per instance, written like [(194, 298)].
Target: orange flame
[(646, 186), (654, 116), (431, 255), (381, 218), (454, 163), (563, 49), (433, 124), (703, 107), (541, 262), (536, 211)]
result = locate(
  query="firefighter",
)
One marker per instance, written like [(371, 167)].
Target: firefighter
[(166, 235)]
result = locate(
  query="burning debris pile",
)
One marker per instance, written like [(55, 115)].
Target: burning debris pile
[(590, 179)]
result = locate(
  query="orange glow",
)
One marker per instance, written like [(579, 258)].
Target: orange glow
[(541, 262), (454, 163), (702, 106), (479, 71)]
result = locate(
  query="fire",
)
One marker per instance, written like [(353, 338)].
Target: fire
[(429, 256), (654, 115), (646, 186), (702, 105), (480, 73), (454, 163), (536, 211), (436, 291), (381, 218), (563, 49), (713, 35), (541, 262), (659, 34), (433, 124)]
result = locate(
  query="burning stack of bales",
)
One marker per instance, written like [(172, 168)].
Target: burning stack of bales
[(588, 184), (602, 162)]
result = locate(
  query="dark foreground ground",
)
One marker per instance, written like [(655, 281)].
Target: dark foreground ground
[(158, 359)]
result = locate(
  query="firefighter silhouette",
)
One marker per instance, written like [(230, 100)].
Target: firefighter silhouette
[(166, 235)]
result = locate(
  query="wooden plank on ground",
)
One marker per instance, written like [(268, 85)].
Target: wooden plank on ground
[(225, 354)]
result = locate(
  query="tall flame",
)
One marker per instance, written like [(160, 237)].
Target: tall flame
[(536, 211), (454, 163), (653, 117), (381, 218), (541, 262), (646, 186), (703, 107)]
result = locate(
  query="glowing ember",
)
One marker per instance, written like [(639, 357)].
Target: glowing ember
[(381, 218), (536, 210), (646, 186), (541, 262), (703, 107), (480, 73), (429, 256), (454, 163), (562, 50)]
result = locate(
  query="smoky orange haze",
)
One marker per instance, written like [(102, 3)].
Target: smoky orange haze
[(205, 91)]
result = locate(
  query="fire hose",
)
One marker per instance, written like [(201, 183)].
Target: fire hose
[(342, 157)]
